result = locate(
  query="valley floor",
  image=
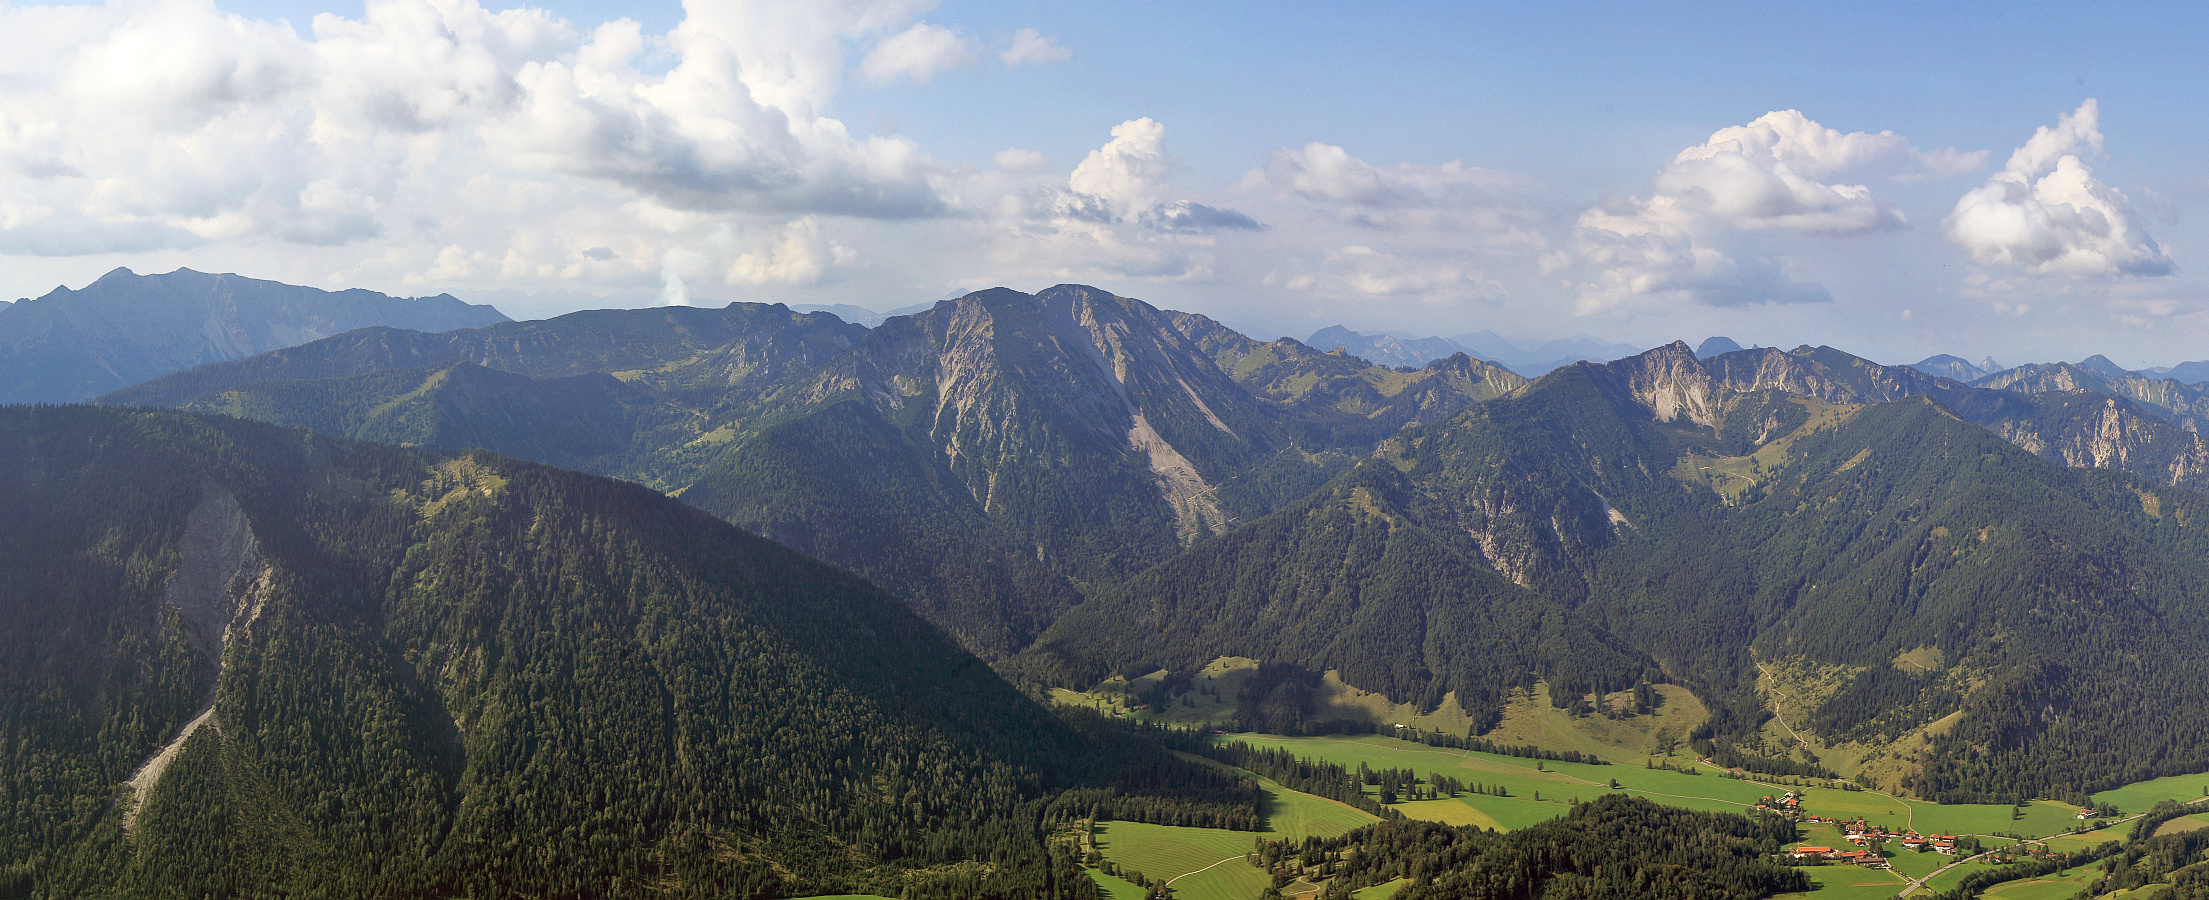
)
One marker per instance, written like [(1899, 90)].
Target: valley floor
[(1207, 864)]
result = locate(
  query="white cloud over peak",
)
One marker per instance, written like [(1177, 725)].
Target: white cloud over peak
[(917, 54), (1694, 237), (1129, 171), (1031, 47), (2045, 213)]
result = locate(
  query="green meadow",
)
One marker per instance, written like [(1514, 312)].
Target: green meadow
[(1539, 794), (1206, 864)]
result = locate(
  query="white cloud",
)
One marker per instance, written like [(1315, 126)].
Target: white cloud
[(1030, 47), (2045, 213), (1361, 272), (797, 255), (1129, 171), (916, 54), (1782, 173), (1015, 159), (1327, 173), (145, 125), (1116, 215)]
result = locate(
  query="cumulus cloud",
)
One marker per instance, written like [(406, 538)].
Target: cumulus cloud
[(1129, 171), (1127, 180), (1783, 173), (1116, 214), (170, 124), (797, 255), (1030, 47), (2045, 213), (916, 54)]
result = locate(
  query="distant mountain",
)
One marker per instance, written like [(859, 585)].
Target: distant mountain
[(1340, 400), (857, 315), (687, 373), (1714, 346), (2189, 372), (1529, 359), (125, 328), (1956, 367), (245, 660), (1535, 359), (2101, 365), (1385, 349)]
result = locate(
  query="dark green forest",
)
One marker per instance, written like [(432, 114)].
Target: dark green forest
[(447, 672)]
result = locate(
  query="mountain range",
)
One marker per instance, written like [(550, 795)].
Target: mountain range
[(73, 345), (363, 607)]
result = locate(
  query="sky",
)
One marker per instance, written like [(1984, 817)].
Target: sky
[(2015, 180)]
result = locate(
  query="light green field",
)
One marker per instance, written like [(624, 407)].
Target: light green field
[(2140, 796), (1382, 891), (1914, 863), (1206, 863), (1198, 863), (1848, 883), (1559, 784), (2183, 824), (1116, 888), (1955, 876), (2061, 887)]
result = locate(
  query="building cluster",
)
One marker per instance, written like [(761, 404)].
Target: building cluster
[(1864, 836)]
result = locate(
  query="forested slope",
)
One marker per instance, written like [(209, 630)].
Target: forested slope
[(476, 676)]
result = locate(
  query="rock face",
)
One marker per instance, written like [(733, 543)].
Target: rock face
[(2061, 412), (219, 587), (125, 328), (2174, 401)]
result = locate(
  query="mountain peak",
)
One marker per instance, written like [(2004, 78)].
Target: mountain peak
[(2101, 365), (1715, 345)]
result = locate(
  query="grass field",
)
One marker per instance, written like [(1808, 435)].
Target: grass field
[(2054, 887), (1558, 784), (1198, 863), (1206, 863), (1381, 891), (1116, 888), (1849, 883), (1955, 876), (2139, 796)]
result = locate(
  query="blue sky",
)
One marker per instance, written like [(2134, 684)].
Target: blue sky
[(1538, 169)]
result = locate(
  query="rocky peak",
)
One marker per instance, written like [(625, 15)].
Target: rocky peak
[(1670, 382)]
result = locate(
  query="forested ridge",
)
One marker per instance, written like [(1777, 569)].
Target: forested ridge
[(444, 674)]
